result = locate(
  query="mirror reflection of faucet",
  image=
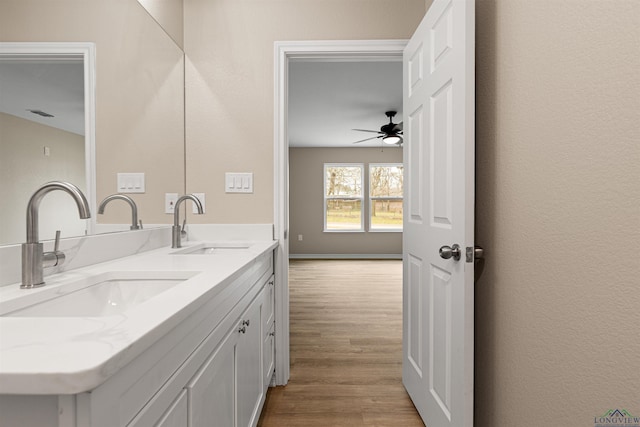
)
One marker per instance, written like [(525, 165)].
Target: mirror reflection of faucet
[(135, 223), (176, 231), (34, 259)]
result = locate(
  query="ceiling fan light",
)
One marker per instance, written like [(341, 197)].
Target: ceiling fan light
[(392, 139)]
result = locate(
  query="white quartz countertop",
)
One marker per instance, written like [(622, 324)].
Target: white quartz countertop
[(69, 355)]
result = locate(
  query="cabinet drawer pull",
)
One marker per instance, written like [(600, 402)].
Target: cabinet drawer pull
[(242, 330), (246, 322)]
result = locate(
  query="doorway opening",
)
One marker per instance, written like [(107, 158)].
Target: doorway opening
[(285, 53), (346, 347)]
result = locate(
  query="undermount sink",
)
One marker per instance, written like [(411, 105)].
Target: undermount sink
[(100, 295), (213, 248)]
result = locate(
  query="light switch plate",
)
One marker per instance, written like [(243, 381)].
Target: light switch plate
[(131, 183), (238, 182)]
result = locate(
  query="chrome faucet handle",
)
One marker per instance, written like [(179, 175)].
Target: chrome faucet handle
[(56, 245), (55, 258), (140, 224), (183, 231)]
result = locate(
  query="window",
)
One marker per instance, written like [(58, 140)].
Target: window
[(385, 197), (343, 197)]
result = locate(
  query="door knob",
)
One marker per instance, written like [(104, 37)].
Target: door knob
[(447, 252)]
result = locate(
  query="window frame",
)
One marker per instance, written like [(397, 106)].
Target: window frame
[(361, 197), (374, 198)]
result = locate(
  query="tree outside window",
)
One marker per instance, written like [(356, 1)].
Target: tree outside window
[(385, 196)]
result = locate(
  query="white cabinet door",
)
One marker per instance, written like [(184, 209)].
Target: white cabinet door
[(176, 415), (229, 388), (161, 411), (268, 355), (268, 345), (250, 389), (269, 303), (212, 392)]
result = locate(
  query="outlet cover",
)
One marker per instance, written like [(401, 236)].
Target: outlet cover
[(170, 200)]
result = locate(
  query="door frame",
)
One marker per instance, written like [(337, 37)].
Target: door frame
[(285, 52)]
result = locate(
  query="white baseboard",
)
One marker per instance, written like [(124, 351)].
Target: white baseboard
[(345, 256)]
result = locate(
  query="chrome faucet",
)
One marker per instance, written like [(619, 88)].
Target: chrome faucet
[(34, 259), (135, 225), (176, 231)]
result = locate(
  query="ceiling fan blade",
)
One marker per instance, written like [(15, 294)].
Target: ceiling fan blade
[(398, 126), (367, 139), (367, 130)]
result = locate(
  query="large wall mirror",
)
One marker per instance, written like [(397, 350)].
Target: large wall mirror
[(139, 113), (169, 15), (47, 133)]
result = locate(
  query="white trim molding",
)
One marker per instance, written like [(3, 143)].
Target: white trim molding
[(285, 52)]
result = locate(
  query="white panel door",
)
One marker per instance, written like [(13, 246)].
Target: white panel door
[(439, 155)]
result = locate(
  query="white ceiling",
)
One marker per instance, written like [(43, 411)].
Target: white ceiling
[(329, 99), (55, 86)]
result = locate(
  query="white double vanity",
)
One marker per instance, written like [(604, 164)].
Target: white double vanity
[(134, 333)]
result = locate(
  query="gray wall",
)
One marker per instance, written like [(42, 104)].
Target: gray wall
[(306, 198)]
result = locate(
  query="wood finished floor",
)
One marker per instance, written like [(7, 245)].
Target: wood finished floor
[(346, 348)]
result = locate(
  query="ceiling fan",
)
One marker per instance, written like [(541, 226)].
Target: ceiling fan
[(391, 133)]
